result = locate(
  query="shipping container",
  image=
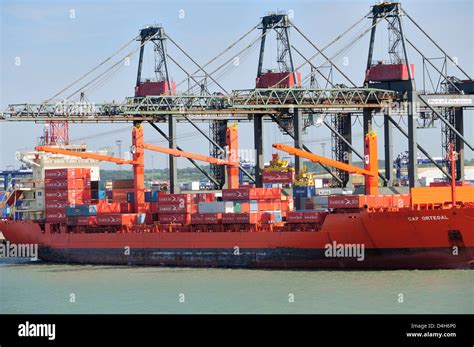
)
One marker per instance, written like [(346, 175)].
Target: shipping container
[(117, 219), (56, 216), (177, 208), (175, 218), (108, 207), (56, 204), (176, 198), (151, 196), (126, 207), (72, 196), (82, 220), (251, 194), (304, 217), (120, 195), (126, 184), (98, 194), (303, 191), (216, 207), (205, 197), (347, 201), (67, 184), (278, 176), (205, 218), (240, 218), (67, 174), (81, 210), (98, 185)]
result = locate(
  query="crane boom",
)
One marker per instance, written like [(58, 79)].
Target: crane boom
[(85, 155), (323, 160), (189, 155), (370, 170)]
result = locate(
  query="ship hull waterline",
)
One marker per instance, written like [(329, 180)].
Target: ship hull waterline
[(391, 240)]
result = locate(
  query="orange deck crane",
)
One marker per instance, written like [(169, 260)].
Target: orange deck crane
[(370, 170), (138, 162)]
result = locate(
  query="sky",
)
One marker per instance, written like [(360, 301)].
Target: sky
[(45, 45)]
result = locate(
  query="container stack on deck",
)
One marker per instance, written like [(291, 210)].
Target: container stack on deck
[(63, 188), (176, 208)]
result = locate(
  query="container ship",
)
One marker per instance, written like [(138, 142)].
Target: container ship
[(67, 210)]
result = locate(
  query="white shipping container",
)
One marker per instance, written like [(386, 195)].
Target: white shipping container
[(216, 207)]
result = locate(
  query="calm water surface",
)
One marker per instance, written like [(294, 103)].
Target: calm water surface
[(46, 288)]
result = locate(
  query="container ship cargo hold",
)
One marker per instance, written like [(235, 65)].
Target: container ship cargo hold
[(74, 220)]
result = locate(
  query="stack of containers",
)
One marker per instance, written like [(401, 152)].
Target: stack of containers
[(253, 205), (97, 191), (64, 187), (175, 208), (120, 189)]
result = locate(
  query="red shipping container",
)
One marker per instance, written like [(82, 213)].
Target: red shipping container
[(70, 173), (153, 207), (126, 184), (126, 207), (108, 207), (205, 218), (71, 196), (86, 220), (270, 205), (176, 198), (56, 216), (76, 184), (313, 216), (177, 208), (56, 204), (205, 197), (120, 194), (278, 176), (177, 218), (346, 201), (117, 219), (82, 220), (239, 194), (242, 218)]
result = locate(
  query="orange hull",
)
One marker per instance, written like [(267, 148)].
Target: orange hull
[(390, 240)]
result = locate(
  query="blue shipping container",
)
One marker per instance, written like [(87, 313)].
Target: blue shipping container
[(81, 210), (130, 197), (303, 192), (151, 196), (98, 194)]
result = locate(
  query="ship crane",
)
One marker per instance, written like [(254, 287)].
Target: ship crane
[(370, 170), (138, 161)]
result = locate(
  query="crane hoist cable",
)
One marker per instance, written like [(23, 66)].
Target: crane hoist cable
[(240, 52), (93, 69), (131, 53), (232, 45), (345, 48), (337, 53)]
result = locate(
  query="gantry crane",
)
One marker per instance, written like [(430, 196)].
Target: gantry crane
[(138, 161), (370, 170)]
